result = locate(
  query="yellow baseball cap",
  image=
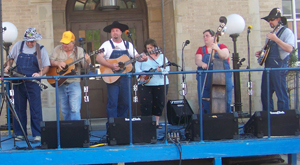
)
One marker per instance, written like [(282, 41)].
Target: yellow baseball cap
[(67, 37)]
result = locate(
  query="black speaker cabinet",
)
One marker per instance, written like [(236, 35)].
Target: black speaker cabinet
[(215, 127), (178, 112), (73, 134), (143, 130), (283, 123)]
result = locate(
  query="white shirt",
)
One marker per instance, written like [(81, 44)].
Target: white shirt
[(118, 46)]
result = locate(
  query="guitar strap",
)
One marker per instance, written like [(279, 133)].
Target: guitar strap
[(280, 32), (76, 57), (39, 57)]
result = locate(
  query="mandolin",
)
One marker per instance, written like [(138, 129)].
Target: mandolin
[(144, 79), (266, 49), (13, 73)]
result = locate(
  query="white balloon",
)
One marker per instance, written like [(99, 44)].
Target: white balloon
[(235, 24), (11, 32)]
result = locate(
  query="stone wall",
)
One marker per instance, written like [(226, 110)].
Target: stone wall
[(183, 20), (31, 13), (192, 17)]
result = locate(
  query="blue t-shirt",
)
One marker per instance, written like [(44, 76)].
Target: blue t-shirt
[(147, 65)]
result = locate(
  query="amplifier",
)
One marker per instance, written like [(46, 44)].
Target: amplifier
[(216, 126), (143, 130), (283, 122), (179, 111), (73, 134)]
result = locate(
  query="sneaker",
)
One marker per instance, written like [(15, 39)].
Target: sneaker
[(19, 138), (37, 138)]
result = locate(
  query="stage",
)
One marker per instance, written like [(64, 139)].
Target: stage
[(100, 153)]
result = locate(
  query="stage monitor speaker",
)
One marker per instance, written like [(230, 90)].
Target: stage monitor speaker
[(216, 126), (178, 112), (73, 134), (283, 123), (143, 130)]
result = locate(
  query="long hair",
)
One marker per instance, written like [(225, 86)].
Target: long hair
[(149, 41)]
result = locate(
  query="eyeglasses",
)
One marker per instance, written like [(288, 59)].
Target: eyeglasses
[(271, 19), (31, 42)]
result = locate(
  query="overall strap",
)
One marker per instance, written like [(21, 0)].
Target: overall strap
[(39, 56), (126, 43), (280, 32), (76, 57), (21, 48), (112, 44), (203, 50)]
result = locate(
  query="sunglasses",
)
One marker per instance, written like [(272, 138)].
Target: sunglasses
[(271, 19)]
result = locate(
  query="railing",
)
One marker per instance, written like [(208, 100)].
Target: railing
[(165, 151)]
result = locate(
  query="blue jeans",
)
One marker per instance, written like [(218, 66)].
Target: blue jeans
[(32, 92), (70, 100)]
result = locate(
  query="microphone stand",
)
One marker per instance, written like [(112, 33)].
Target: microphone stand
[(135, 86), (86, 90), (183, 85), (250, 92)]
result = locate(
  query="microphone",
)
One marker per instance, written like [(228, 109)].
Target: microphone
[(249, 28), (81, 42), (240, 62), (127, 32), (186, 42)]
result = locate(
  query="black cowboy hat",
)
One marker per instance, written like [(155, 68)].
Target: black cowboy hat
[(276, 13), (116, 24)]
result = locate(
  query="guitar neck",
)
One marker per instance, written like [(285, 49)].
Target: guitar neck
[(276, 27), (91, 54), (133, 60)]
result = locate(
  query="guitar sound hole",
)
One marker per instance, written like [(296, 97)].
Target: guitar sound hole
[(121, 65)]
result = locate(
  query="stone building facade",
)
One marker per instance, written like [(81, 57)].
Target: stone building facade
[(182, 20)]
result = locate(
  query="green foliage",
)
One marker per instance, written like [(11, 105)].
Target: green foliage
[(293, 58)]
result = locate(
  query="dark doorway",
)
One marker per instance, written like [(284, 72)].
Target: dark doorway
[(86, 21)]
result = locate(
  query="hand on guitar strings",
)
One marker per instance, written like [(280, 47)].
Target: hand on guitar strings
[(115, 66), (144, 57), (204, 65), (61, 64), (36, 75), (272, 36), (257, 54), (88, 58)]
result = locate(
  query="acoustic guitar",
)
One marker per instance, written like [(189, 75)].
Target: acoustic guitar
[(125, 65), (68, 70), (144, 79), (266, 49)]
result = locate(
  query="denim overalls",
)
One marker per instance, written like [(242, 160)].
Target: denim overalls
[(206, 92), (28, 64), (277, 80), (117, 101)]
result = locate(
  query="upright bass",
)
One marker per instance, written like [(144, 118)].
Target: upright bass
[(218, 99)]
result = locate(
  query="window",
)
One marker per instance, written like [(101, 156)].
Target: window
[(95, 4), (293, 18)]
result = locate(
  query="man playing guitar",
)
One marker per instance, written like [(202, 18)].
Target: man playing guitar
[(281, 44), (117, 101), (70, 90)]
